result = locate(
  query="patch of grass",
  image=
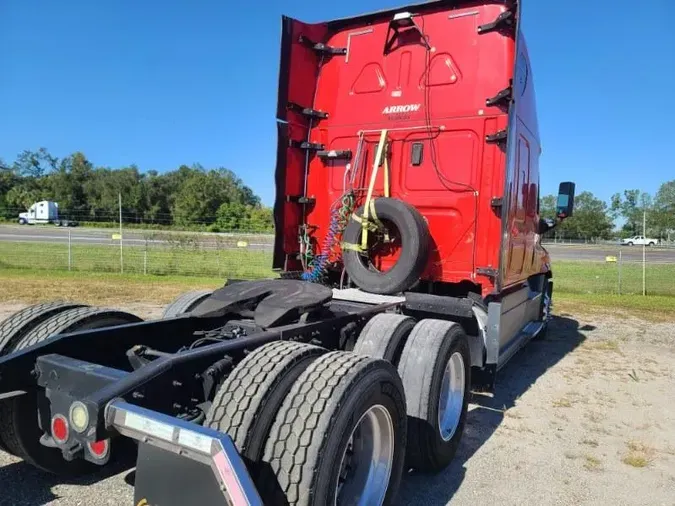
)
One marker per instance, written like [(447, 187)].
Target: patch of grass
[(608, 345), (592, 463), (185, 259), (639, 454), (651, 308), (603, 278), (563, 402), (27, 286), (635, 460)]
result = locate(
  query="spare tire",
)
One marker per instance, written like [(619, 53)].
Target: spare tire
[(397, 252)]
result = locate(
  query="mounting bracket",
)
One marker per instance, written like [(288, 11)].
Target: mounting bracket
[(322, 48), (505, 22), (306, 111)]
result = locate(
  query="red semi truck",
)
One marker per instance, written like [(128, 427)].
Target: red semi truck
[(410, 271)]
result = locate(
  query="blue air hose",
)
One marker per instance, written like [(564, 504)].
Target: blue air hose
[(339, 219)]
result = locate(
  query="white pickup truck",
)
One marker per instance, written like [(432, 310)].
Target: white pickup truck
[(639, 240)]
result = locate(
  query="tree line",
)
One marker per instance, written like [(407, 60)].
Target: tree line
[(217, 200), (187, 197), (595, 219)]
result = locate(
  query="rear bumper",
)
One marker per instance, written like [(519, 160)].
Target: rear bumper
[(169, 448), (192, 442)]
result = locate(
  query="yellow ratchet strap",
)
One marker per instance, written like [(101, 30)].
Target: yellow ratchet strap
[(369, 207)]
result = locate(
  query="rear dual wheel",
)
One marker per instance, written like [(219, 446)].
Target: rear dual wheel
[(19, 429), (434, 363), (14, 328), (435, 367), (319, 427)]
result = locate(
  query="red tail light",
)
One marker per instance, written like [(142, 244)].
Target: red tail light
[(60, 429), (99, 449)]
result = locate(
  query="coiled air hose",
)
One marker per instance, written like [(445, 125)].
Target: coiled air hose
[(340, 215)]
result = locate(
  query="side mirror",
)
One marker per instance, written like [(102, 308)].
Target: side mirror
[(565, 206)]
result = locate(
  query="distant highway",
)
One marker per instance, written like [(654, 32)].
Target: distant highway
[(598, 253), (131, 237), (134, 237)]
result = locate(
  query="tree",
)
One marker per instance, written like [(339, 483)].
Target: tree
[(664, 210), (189, 196), (8, 180), (34, 163), (631, 206), (547, 207), (591, 219), (202, 193), (235, 216)]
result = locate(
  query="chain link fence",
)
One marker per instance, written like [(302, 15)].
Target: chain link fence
[(613, 269), (236, 255), (606, 268)]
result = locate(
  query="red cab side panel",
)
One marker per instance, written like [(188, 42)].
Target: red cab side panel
[(522, 254)]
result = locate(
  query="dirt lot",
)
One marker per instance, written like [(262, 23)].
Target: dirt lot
[(584, 416)]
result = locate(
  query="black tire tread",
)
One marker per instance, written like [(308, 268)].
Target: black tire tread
[(67, 321), (306, 418), (14, 328), (383, 336), (22, 322), (410, 266), (243, 396), (417, 368), (185, 303)]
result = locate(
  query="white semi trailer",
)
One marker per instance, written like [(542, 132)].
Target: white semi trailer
[(44, 212)]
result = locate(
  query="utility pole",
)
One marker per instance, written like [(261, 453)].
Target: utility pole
[(121, 244), (644, 253)]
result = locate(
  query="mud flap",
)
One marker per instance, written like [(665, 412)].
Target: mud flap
[(164, 478), (180, 462)]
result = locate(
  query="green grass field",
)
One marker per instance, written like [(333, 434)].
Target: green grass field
[(39, 271), (610, 279), (187, 261), (570, 277)]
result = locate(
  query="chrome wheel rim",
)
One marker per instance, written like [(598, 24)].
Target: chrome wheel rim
[(367, 459), (451, 400)]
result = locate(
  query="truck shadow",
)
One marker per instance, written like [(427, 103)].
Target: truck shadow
[(487, 413)]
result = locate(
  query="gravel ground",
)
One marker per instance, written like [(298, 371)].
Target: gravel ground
[(584, 416)]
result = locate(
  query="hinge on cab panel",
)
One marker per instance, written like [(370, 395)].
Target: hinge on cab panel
[(496, 203), (306, 111), (506, 22), (310, 201), (321, 48), (309, 146), (497, 138), (336, 155), (504, 97), (488, 271)]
